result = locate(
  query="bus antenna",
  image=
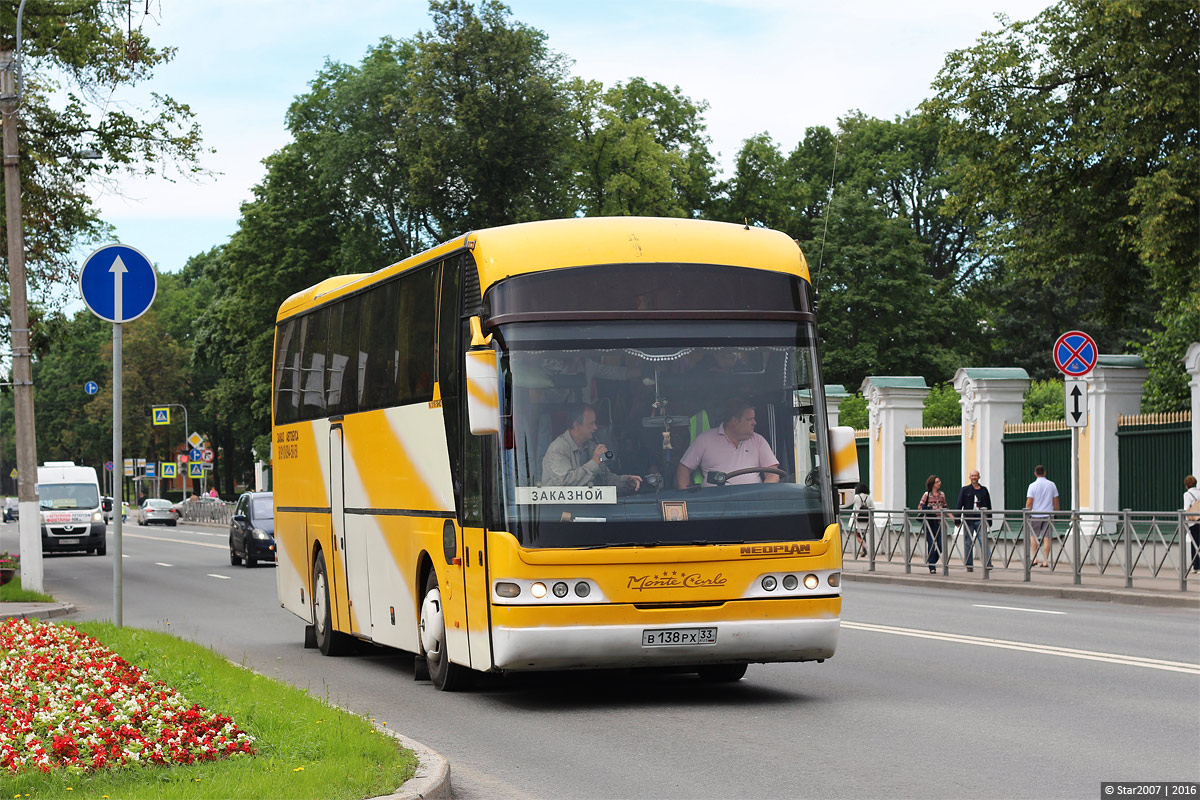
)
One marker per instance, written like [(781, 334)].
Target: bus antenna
[(828, 204)]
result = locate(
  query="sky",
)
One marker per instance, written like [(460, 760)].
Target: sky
[(774, 66)]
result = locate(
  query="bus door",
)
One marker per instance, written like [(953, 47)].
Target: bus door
[(352, 544), (475, 579)]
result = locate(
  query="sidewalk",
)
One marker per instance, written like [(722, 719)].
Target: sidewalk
[(1162, 591)]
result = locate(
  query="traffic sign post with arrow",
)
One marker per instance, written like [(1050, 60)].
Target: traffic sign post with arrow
[(1076, 403), (118, 284), (1075, 354)]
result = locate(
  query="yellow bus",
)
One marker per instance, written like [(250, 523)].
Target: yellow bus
[(484, 453)]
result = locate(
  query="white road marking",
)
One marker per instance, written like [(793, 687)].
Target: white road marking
[(1015, 608), (163, 564), (1028, 647), (175, 541), (222, 577)]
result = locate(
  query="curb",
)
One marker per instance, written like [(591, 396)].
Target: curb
[(432, 778), (35, 610), (1126, 597)]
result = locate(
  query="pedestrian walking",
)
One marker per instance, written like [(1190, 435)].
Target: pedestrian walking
[(934, 500), (1191, 504), (974, 499), (1041, 496), (862, 508)]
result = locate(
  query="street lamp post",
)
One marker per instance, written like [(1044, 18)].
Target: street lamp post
[(22, 373)]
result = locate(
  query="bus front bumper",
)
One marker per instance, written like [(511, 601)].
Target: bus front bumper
[(606, 646)]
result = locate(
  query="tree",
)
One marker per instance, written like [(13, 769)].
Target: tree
[(488, 125), (942, 408), (1078, 138), (75, 56)]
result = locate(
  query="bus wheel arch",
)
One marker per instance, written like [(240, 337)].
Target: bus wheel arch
[(431, 638), (329, 641)]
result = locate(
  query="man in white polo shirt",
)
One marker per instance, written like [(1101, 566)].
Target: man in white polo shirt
[(732, 446), (1042, 495)]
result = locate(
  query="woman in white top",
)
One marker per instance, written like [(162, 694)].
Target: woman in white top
[(1190, 498)]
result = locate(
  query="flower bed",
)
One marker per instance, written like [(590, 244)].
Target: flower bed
[(68, 702)]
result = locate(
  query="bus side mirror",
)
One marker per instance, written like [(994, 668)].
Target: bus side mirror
[(843, 455), (483, 392)]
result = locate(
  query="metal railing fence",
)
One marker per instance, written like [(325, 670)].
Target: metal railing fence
[(210, 511), (1083, 544)]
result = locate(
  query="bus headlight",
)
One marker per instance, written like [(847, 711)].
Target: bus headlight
[(835, 579), (538, 590), (811, 581), (506, 589), (769, 583), (560, 589), (790, 582), (583, 589)]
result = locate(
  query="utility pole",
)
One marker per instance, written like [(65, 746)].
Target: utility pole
[(22, 374)]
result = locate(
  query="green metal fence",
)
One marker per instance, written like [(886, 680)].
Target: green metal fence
[(931, 451), (862, 440), (1155, 452), (1028, 444)]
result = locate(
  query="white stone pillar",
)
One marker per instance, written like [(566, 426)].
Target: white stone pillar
[(893, 404), (834, 395), (1191, 363), (989, 398), (1114, 387)]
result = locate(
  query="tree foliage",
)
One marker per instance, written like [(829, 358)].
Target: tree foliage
[(76, 59), (1077, 147)]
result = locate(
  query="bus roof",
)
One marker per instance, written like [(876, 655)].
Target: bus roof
[(583, 241)]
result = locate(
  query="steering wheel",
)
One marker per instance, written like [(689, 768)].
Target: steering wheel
[(783, 474)]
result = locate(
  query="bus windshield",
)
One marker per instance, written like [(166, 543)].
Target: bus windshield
[(642, 393)]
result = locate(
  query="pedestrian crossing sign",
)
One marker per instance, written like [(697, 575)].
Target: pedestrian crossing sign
[(195, 470), (168, 470), (162, 415)]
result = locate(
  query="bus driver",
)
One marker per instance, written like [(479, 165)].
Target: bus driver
[(573, 459), (732, 446)]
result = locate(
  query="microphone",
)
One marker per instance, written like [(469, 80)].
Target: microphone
[(609, 454)]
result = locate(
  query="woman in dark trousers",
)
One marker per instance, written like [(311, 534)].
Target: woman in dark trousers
[(1191, 496), (934, 500)]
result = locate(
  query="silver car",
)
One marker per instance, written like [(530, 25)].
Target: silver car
[(156, 510)]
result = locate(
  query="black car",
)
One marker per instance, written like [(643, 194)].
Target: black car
[(252, 529)]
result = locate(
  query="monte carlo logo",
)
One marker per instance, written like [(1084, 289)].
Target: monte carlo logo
[(675, 580)]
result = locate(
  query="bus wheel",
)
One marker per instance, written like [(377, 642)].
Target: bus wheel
[(329, 641), (445, 676), (722, 673)]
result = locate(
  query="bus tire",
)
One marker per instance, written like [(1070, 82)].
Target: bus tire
[(329, 641), (446, 677), (722, 673)]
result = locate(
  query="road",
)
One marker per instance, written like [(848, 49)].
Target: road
[(933, 693)]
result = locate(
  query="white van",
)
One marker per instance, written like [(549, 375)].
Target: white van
[(69, 500)]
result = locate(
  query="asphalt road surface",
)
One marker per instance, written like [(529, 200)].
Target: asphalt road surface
[(933, 693)]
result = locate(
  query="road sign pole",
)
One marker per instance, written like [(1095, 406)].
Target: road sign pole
[(1075, 505), (118, 388)]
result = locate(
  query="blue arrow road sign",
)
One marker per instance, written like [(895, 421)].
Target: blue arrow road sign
[(91, 387), (118, 283), (195, 454)]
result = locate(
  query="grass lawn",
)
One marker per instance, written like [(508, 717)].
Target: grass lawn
[(12, 592), (305, 747)]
